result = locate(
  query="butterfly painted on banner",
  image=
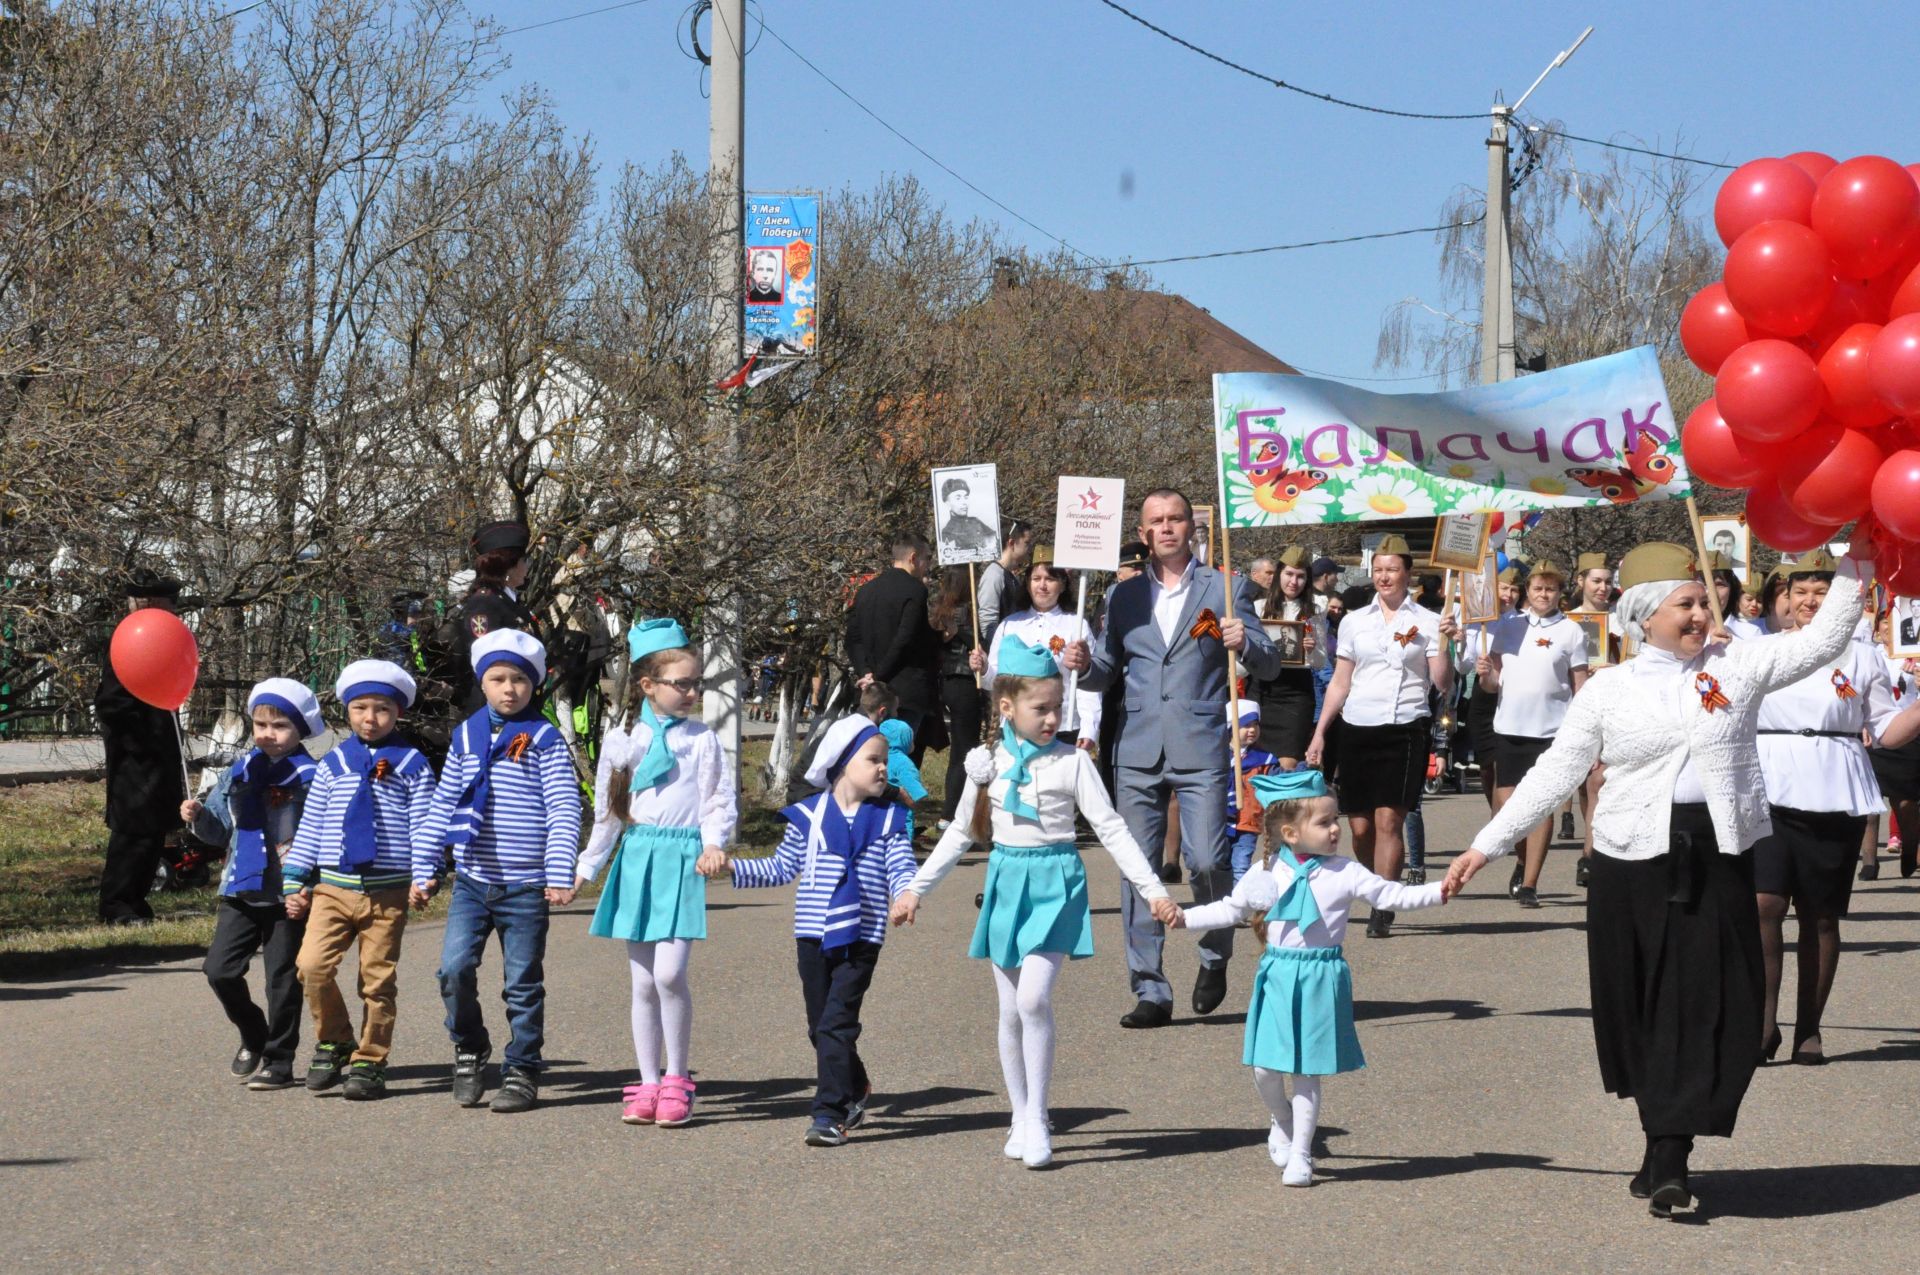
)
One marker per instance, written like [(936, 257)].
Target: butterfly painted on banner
[(1647, 467), (1276, 488), (1206, 625)]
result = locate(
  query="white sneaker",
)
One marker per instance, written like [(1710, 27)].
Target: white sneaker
[(1299, 1171), (1016, 1148), (1037, 1152), (1279, 1144)]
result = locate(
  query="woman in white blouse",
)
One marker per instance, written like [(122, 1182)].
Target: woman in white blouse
[(1050, 623), (1286, 700), (1673, 933), (1392, 657)]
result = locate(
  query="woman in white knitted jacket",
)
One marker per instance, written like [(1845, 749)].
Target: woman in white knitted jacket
[(1673, 937)]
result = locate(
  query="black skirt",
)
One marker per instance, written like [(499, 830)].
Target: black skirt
[(1480, 709), (1673, 960), (1898, 770), (1514, 756), (1383, 766), (1809, 857), (1286, 713)]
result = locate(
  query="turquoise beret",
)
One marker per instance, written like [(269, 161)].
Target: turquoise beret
[(1288, 785), (648, 636), (1021, 660)]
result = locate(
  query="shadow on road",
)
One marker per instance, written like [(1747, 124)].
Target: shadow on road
[(1463, 1011), (1810, 1190), (1411, 1168), (50, 993), (1146, 1144)]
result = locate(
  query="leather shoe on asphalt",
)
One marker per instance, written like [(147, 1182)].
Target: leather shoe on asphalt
[(1209, 988), (1148, 1014)]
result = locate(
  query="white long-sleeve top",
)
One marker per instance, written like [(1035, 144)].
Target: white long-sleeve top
[(1065, 781), (1080, 711), (699, 791), (1825, 772), (1647, 722), (1335, 881)]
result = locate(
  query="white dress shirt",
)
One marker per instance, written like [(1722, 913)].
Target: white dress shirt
[(698, 793), (1822, 772), (1168, 603), (1391, 680), (1080, 711), (1538, 656)]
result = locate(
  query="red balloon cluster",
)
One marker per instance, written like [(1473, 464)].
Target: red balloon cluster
[(1813, 336)]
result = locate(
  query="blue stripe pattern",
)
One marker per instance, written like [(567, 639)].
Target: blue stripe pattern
[(530, 830), (883, 871), (400, 804)]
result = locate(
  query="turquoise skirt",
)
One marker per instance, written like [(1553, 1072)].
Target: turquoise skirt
[(1035, 901), (652, 892), (1300, 1014)]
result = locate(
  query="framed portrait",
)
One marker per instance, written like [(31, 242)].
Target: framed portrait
[(1728, 534), (1460, 541), (766, 274), (1289, 637), (966, 514), (1595, 624), (1203, 534), (1480, 593), (1903, 628)]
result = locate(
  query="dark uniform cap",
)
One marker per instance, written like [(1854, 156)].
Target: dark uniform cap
[(1133, 554), (501, 535), (150, 584)]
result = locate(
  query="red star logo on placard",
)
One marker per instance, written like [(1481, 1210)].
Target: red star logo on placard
[(1090, 499)]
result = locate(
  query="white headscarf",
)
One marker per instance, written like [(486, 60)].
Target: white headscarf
[(1637, 605)]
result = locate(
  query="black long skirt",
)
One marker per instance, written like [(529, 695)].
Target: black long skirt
[(1286, 713), (1673, 952)]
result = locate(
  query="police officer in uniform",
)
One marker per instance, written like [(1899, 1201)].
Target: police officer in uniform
[(144, 778)]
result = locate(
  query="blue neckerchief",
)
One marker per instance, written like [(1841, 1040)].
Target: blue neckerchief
[(476, 738), (1023, 751), (845, 840), (1297, 904), (358, 843), (251, 778), (658, 763)]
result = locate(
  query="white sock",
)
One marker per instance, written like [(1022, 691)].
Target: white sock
[(646, 1012), (676, 1000), (1035, 1003), (1013, 1067), (1306, 1113), (1273, 1091)]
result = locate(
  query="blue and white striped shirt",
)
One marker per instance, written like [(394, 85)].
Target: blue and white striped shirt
[(530, 829), (882, 872), (400, 804)]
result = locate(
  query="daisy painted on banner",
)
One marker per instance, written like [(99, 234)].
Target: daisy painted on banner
[(1388, 494)]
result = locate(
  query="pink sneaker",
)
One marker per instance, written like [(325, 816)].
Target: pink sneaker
[(676, 1102), (640, 1103)]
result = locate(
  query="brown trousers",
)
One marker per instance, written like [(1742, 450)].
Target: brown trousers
[(337, 918)]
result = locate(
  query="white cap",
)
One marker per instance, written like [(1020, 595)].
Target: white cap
[(835, 745), (511, 646), (375, 677), (291, 698), (1241, 709)]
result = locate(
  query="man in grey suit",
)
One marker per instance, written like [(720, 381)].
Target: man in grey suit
[(1166, 642)]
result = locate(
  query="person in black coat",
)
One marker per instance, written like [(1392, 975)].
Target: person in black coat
[(451, 693), (890, 640), (144, 778)]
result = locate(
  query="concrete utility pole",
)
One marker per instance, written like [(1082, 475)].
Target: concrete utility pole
[(1496, 296), (721, 656)]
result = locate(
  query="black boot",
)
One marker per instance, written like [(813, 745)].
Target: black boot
[(1637, 1184), (1667, 1175)]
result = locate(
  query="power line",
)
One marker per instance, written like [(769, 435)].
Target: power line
[(1622, 146), (574, 17), (1288, 247), (924, 153), (1279, 83), (1421, 376), (218, 18)]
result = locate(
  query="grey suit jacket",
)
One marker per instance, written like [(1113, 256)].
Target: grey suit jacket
[(1174, 709)]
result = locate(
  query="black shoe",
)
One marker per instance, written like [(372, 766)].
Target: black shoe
[(1414, 876), (1513, 883), (1770, 1046), (825, 1133), (1148, 1014), (1170, 873), (1637, 1185), (470, 1076), (1804, 1057), (1527, 896), (858, 1111), (1869, 871), (329, 1060), (274, 1074), (1380, 924), (519, 1090), (1209, 988), (365, 1082), (1566, 826), (1667, 1176), (1583, 874), (1909, 856), (245, 1062)]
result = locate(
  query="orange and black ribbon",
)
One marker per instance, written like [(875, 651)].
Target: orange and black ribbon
[(1843, 686), (1205, 625), (1413, 631), (1708, 687)]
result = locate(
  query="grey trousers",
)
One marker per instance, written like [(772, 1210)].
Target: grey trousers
[(1141, 797)]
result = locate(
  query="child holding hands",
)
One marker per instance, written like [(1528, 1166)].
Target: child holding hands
[(1300, 1012), (1022, 798)]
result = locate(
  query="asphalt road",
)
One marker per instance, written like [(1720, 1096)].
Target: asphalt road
[(1478, 1133)]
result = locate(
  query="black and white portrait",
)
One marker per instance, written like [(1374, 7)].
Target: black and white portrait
[(1903, 633), (1289, 637), (1729, 535), (966, 514), (766, 276)]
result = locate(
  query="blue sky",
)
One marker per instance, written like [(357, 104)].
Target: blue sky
[(1047, 104)]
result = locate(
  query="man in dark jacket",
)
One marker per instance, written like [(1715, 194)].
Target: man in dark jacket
[(144, 784), (890, 640)]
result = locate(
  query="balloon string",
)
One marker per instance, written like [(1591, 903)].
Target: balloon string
[(180, 738)]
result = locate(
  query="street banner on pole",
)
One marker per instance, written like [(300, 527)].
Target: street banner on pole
[(1087, 525), (1298, 449), (782, 233)]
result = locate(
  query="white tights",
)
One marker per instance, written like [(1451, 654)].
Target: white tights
[(1298, 1119), (1026, 1031), (662, 1006)]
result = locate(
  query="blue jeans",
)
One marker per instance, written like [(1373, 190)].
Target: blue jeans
[(1245, 844), (1415, 831), (518, 914)]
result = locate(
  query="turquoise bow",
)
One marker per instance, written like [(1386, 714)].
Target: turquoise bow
[(1297, 904), (1023, 751), (658, 762)]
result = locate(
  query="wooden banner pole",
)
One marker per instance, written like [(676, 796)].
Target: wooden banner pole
[(1233, 662), (973, 609), (1706, 573)]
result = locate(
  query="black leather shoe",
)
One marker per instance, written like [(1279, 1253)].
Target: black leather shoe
[(1209, 988), (1667, 1176), (1527, 897), (1869, 871), (1380, 924), (1148, 1014), (1637, 1185), (1909, 856), (1583, 874), (1513, 884), (1566, 826), (1170, 873)]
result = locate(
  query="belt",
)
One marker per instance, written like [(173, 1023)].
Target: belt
[(1814, 734)]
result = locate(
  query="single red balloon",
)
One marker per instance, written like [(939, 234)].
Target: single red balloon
[(1827, 475), (1780, 277), (1866, 211), (1815, 164), (1906, 296), (1711, 329), (155, 657), (1716, 455), (1762, 190), (1774, 521), (1851, 400), (1893, 364), (1768, 391), (1896, 494)]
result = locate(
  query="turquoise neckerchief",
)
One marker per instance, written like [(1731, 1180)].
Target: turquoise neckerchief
[(658, 762), (1023, 751), (1297, 904)]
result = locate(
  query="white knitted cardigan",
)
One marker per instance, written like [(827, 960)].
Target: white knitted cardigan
[(1627, 724)]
